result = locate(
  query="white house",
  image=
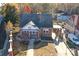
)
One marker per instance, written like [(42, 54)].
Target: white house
[(35, 26)]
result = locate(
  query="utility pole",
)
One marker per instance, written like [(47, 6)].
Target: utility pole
[(10, 51)]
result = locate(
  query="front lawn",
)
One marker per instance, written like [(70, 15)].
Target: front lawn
[(44, 49)]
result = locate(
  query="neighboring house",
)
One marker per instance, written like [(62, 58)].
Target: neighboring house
[(35, 26), (75, 21), (4, 44), (62, 13), (59, 13), (66, 21)]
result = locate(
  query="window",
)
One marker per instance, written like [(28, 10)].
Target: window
[(44, 31), (33, 32)]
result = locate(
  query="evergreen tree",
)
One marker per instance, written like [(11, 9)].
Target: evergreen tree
[(11, 14)]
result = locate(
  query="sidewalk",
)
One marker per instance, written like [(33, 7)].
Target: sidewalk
[(30, 51)]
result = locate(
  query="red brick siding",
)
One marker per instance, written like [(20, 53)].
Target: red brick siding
[(27, 35), (78, 23), (47, 33)]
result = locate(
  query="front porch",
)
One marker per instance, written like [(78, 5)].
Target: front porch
[(29, 34)]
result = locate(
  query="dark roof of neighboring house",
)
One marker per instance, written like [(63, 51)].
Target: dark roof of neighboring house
[(63, 17), (59, 11), (40, 20), (66, 12)]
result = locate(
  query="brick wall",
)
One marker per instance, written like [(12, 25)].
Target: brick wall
[(46, 32), (75, 19), (26, 35)]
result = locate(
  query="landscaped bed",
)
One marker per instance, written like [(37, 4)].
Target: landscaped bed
[(21, 53), (20, 48), (44, 49)]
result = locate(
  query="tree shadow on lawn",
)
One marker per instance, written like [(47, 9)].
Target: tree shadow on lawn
[(20, 46), (19, 49), (40, 44)]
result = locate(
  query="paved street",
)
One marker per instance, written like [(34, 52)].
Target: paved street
[(30, 51)]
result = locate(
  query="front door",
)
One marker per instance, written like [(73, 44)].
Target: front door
[(33, 35)]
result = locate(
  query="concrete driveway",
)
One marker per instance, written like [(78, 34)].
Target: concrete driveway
[(30, 51)]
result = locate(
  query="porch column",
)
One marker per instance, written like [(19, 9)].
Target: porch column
[(37, 34), (10, 50), (29, 35)]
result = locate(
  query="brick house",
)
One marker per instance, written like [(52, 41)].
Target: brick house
[(75, 20), (35, 26)]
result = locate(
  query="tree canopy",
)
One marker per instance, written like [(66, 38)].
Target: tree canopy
[(11, 14)]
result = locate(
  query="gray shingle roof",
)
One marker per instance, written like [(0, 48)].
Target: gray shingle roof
[(40, 20)]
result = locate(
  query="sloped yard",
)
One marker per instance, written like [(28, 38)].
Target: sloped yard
[(44, 49), (41, 48), (20, 49)]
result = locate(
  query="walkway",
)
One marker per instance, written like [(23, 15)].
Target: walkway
[(30, 51)]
